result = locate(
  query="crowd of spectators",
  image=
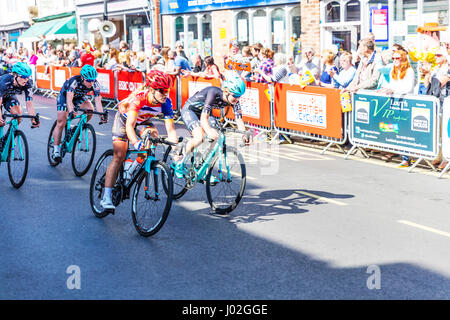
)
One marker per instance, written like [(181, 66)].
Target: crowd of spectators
[(407, 68)]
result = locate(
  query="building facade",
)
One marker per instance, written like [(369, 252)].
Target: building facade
[(132, 19)]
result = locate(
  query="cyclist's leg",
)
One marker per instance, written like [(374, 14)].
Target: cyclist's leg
[(12, 105), (120, 146), (192, 122), (87, 105), (61, 120)]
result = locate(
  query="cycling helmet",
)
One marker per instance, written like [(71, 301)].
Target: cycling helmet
[(157, 80), (234, 84), (88, 72), (22, 69)]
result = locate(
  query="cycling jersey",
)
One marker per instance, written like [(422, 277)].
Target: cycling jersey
[(8, 91), (79, 90), (139, 103), (203, 102), (210, 98)]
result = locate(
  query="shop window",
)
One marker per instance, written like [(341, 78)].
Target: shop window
[(353, 11), (278, 30), (179, 27), (192, 27), (333, 12), (260, 27), (242, 28), (295, 33), (435, 11), (207, 35)]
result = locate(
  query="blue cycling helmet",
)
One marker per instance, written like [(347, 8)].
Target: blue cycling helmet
[(234, 84), (22, 69), (88, 72)]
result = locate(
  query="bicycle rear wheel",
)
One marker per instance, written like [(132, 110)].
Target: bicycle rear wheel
[(50, 147), (225, 181), (18, 159), (84, 150), (151, 203), (98, 183)]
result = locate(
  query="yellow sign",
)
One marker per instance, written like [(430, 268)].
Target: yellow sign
[(306, 78), (223, 33), (346, 102)]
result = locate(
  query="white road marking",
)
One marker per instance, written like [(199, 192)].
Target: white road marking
[(429, 229), (339, 203), (44, 117), (100, 134)]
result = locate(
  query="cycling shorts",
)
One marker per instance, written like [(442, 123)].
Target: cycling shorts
[(119, 131), (192, 119), (61, 102), (10, 102)]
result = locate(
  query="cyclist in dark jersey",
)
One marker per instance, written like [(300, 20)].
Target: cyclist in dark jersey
[(11, 84), (197, 109), (74, 95), (143, 104)]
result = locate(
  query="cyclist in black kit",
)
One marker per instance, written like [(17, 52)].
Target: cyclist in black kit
[(196, 112)]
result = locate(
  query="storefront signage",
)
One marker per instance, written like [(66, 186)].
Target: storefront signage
[(184, 6), (395, 122), (379, 23)]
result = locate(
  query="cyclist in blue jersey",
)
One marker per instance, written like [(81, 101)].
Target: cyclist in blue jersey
[(74, 95), (11, 84)]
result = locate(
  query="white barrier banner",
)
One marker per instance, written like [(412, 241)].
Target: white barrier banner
[(307, 109), (250, 103), (446, 129)]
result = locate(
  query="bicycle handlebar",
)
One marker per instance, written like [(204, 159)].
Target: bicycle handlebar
[(26, 116), (161, 140), (86, 111)]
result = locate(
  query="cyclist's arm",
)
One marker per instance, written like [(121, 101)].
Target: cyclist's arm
[(1, 114), (207, 108), (171, 132), (130, 125), (98, 103), (240, 124), (69, 99)]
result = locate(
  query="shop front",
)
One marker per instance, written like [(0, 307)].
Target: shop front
[(131, 19), (207, 29)]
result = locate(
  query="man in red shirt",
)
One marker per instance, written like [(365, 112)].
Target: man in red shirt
[(87, 58)]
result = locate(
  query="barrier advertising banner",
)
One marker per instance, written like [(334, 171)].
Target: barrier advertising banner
[(191, 85), (446, 129), (127, 82), (107, 83), (407, 124), (314, 110), (43, 77), (59, 76)]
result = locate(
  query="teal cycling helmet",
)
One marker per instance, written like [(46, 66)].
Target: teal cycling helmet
[(22, 69), (88, 72), (234, 84)]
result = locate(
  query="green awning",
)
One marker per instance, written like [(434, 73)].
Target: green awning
[(62, 28), (65, 28), (35, 32)]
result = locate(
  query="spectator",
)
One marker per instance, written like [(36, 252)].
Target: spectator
[(140, 63), (72, 48), (367, 74), (280, 70), (33, 58), (105, 55), (179, 50), (255, 50), (309, 62), (87, 58), (266, 65), (165, 54), (113, 59), (156, 51), (98, 58), (42, 60), (154, 65), (329, 69), (52, 58), (123, 46), (199, 64), (347, 73), (179, 63), (402, 77), (211, 70), (247, 57), (73, 61), (124, 61)]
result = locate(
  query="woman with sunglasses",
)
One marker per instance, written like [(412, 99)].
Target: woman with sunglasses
[(197, 109), (139, 108), (11, 84), (74, 94)]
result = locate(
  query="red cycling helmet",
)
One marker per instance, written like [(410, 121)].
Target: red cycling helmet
[(157, 80)]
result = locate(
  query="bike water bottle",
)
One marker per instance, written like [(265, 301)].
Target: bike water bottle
[(134, 165), (126, 169)]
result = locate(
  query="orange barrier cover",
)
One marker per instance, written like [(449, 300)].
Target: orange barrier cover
[(191, 85), (59, 76), (173, 94), (43, 77), (127, 82), (107, 83), (315, 110)]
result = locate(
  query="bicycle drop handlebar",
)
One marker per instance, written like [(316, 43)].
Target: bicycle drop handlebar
[(26, 116)]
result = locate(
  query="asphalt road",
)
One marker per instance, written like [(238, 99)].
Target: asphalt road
[(310, 226)]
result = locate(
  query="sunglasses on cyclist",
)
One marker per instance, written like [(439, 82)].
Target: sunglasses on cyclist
[(25, 78), (90, 81), (163, 91)]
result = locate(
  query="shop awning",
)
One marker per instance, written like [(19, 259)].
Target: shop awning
[(35, 32), (65, 28), (55, 27)]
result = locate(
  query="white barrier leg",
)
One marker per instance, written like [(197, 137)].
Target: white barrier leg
[(444, 170), (275, 138), (415, 164), (350, 152), (327, 147)]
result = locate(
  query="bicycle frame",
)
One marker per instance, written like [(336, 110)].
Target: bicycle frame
[(69, 144), (14, 124)]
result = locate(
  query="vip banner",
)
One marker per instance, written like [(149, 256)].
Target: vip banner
[(407, 124)]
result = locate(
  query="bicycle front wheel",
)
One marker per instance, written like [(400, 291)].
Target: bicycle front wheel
[(84, 150), (18, 159), (151, 203), (179, 184), (225, 181)]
